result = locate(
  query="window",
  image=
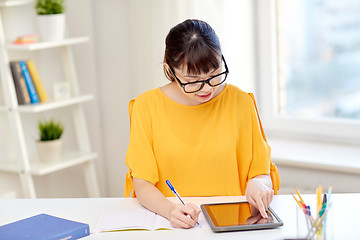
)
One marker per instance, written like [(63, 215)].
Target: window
[(319, 58), (309, 74)]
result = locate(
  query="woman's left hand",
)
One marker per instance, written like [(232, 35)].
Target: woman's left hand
[(259, 193)]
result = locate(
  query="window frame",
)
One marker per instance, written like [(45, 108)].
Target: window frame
[(327, 129)]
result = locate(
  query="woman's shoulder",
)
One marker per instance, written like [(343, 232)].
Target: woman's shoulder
[(148, 96), (145, 101), (236, 92)]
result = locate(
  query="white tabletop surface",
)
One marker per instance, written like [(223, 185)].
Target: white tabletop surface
[(342, 217)]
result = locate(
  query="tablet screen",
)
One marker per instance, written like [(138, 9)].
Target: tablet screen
[(239, 214)]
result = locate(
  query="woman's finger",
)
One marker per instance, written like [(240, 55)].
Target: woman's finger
[(260, 206), (187, 215), (262, 209), (197, 212), (177, 223), (180, 217)]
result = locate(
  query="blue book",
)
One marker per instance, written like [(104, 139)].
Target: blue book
[(44, 227), (34, 97)]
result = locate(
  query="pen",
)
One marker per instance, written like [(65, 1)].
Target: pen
[(300, 202), (301, 205), (328, 203), (309, 213), (329, 194), (176, 194), (297, 201), (298, 193), (319, 207), (308, 217), (317, 224), (324, 198), (319, 193), (174, 191), (322, 209)]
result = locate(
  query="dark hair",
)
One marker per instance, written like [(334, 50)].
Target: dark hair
[(194, 43)]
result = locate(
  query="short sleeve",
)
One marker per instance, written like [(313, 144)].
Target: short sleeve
[(140, 155), (261, 152)]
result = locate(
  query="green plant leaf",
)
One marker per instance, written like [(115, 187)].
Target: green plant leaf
[(46, 7), (50, 130)]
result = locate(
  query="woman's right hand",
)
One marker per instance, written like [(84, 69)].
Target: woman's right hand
[(179, 215), (182, 216)]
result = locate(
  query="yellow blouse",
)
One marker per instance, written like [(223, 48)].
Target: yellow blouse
[(211, 149)]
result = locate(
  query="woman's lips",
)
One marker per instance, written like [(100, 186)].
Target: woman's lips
[(204, 96)]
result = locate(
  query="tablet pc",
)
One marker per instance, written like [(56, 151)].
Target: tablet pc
[(238, 216)]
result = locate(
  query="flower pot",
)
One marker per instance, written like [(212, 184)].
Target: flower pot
[(51, 27), (49, 151)]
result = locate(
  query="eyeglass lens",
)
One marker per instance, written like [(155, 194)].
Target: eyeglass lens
[(193, 87)]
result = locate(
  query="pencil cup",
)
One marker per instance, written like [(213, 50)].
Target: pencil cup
[(301, 223), (328, 226), (312, 227)]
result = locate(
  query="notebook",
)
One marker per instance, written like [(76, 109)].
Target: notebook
[(131, 219), (44, 227)]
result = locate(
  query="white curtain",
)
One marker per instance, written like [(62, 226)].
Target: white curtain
[(151, 21)]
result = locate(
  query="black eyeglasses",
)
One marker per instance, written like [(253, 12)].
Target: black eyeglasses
[(214, 81)]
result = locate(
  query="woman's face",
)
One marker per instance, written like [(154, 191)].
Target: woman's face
[(206, 93)]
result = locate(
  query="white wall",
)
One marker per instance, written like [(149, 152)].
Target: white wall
[(115, 85)]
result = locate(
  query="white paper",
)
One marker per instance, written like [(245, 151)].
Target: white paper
[(162, 223), (131, 219)]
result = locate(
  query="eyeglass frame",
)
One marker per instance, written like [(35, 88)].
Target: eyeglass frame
[(183, 85)]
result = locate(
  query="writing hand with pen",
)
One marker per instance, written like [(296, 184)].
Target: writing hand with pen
[(259, 193), (183, 215)]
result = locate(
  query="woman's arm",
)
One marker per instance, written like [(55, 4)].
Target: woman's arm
[(151, 198), (259, 193)]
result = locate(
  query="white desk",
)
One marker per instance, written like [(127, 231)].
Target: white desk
[(345, 211)]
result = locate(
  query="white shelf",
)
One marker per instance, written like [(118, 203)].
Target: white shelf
[(17, 114), (12, 3), (50, 105), (37, 168), (45, 45)]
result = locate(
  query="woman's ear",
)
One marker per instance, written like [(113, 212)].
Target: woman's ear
[(166, 67), (167, 72)]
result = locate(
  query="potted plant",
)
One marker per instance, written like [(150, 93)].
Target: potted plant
[(51, 19), (49, 144)]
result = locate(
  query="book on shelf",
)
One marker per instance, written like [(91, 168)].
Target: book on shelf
[(22, 92), (37, 81), (26, 39), (44, 227), (29, 83)]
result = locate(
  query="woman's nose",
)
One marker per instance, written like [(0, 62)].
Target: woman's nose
[(206, 88)]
